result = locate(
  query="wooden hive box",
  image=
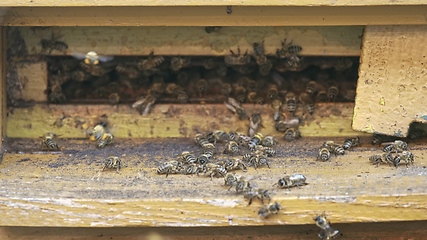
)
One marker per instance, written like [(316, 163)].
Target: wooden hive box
[(65, 189)]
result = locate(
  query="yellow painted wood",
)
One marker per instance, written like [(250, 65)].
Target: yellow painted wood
[(168, 120), (317, 41), (305, 15), (66, 189), (391, 88)]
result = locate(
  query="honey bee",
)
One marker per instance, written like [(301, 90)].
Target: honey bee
[(396, 146), (171, 167), (327, 231), (53, 44), (283, 125), (324, 154), (226, 89), (351, 142), (178, 62), (260, 194), (237, 59), (187, 158), (216, 136), (209, 149), (112, 162), (254, 122), (234, 164), (230, 180), (106, 139), (240, 93), (321, 96), (236, 108), (48, 142), (405, 156), (131, 72), (332, 93), (295, 180), (258, 159), (229, 10), (377, 159), (193, 168), (288, 49), (291, 134), (255, 140), (271, 209), (183, 97), (334, 147), (273, 92), (311, 88), (268, 141), (202, 86), (291, 102), (259, 56), (97, 132), (265, 69), (243, 185), (92, 58), (151, 62), (143, 106), (268, 151), (213, 169), (203, 159), (201, 140), (113, 98), (252, 97), (212, 29), (232, 148), (416, 133), (307, 101)]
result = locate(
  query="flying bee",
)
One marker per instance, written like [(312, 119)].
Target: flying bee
[(112, 162), (179, 62), (255, 140), (53, 44), (232, 148), (151, 62), (268, 141), (143, 106), (291, 134), (97, 132), (212, 29), (92, 58), (332, 93), (187, 158), (327, 231), (334, 147), (236, 108), (213, 169), (48, 141), (230, 180), (321, 96), (324, 154), (106, 139), (351, 142), (129, 71), (271, 209), (405, 156), (396, 146), (311, 88), (237, 59), (171, 167), (254, 122), (235, 164), (306, 99), (295, 180), (260, 194), (243, 185), (201, 86), (291, 102)]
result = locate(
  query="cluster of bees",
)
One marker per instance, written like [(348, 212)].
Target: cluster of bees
[(329, 147), (393, 154)]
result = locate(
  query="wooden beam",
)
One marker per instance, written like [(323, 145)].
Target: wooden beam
[(3, 77), (391, 89), (303, 15)]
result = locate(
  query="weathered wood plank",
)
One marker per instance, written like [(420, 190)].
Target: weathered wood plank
[(391, 88), (318, 41), (66, 189), (3, 76), (305, 15), (33, 78), (169, 120)]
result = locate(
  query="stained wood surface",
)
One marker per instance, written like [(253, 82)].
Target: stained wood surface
[(169, 120), (305, 15), (67, 189), (116, 41), (392, 89), (2, 82)]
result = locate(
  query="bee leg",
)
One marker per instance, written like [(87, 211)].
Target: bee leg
[(250, 201)]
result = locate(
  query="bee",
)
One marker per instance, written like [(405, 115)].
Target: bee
[(112, 162), (334, 147), (202, 86), (332, 93), (380, 138), (236, 108), (171, 167), (216, 136), (193, 168), (201, 140), (351, 142), (288, 49), (271, 209), (232, 148), (255, 140), (260, 58), (282, 126), (209, 149), (311, 88), (243, 185), (377, 159), (234, 164), (417, 133), (307, 101), (106, 139), (258, 159), (92, 58), (324, 154), (265, 69), (97, 132), (273, 92), (291, 134), (396, 146), (212, 29), (48, 141), (237, 59), (268, 141), (203, 159), (143, 106), (254, 122), (230, 180), (182, 97), (405, 156), (291, 102), (151, 62), (178, 62), (213, 169), (187, 158), (229, 10), (295, 180), (321, 96), (327, 231), (240, 93), (268, 151), (53, 44), (113, 98), (260, 194), (131, 72)]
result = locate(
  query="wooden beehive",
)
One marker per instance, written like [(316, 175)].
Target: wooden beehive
[(65, 189)]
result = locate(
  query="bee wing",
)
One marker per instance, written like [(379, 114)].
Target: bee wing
[(79, 56), (386, 143), (231, 107), (105, 58), (233, 102)]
